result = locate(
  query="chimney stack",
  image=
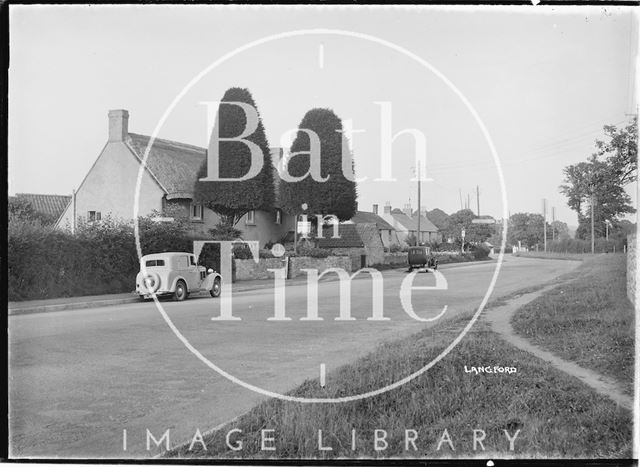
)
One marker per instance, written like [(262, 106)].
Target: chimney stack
[(375, 209), (387, 208), (407, 210), (118, 125)]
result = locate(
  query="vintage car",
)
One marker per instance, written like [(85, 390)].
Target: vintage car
[(420, 257), (176, 274)]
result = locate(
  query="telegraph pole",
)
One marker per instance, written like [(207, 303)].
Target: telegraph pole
[(478, 198), (553, 221), (544, 210), (593, 240), (460, 191), (419, 211)]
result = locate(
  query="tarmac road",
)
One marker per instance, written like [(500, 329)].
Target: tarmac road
[(78, 378)]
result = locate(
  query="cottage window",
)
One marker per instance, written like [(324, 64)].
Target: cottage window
[(278, 216), (196, 212), (93, 216), (251, 218)]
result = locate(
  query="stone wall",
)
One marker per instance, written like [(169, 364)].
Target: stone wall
[(631, 268), (247, 269), (396, 259), (296, 264)]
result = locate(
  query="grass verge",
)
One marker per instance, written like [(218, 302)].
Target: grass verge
[(551, 255), (587, 320), (557, 415)]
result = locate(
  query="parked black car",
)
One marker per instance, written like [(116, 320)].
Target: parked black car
[(421, 257)]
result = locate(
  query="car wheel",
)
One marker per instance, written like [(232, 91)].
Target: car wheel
[(217, 288), (181, 291)]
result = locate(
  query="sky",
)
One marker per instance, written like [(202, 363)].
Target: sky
[(543, 81)]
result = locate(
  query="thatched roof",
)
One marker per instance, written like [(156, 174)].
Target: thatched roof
[(175, 165)]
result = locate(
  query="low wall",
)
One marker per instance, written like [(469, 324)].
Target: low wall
[(395, 259), (296, 264), (631, 268), (248, 269)]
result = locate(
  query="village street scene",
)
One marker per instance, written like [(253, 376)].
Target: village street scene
[(233, 240)]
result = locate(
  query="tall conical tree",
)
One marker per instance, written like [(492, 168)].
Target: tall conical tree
[(337, 195), (233, 199)]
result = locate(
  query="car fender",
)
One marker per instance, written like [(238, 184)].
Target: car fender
[(174, 281), (207, 283)]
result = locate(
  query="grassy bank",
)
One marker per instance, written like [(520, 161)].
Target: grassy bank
[(587, 320), (551, 255), (557, 415)]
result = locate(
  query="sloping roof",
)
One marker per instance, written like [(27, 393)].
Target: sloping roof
[(369, 234), (425, 224), (175, 165), (404, 220), (363, 217), (349, 237), (52, 205)]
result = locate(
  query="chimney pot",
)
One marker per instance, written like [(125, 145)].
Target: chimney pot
[(118, 125)]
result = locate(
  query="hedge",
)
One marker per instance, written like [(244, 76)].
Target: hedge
[(100, 258)]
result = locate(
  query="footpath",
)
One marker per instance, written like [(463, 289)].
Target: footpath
[(500, 321), (94, 301)]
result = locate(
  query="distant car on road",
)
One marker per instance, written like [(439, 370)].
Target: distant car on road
[(420, 257), (176, 274)]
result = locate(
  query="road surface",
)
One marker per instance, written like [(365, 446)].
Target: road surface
[(78, 378)]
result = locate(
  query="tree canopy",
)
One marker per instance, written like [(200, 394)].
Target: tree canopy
[(439, 218), (474, 233), (601, 180), (528, 228), (335, 196), (233, 199)]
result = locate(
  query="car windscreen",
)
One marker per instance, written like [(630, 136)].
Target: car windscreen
[(154, 262)]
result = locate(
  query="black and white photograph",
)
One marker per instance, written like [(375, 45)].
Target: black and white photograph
[(322, 233)]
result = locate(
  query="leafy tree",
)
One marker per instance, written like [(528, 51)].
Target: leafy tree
[(337, 195), (601, 180), (527, 228), (596, 182), (561, 230), (439, 218), (621, 151), (233, 199), (474, 233)]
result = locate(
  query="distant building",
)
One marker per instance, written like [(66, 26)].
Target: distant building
[(406, 225), (387, 232)]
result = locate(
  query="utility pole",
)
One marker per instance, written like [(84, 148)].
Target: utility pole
[(553, 222), (544, 222), (468, 200), (460, 190), (478, 198), (593, 240), (419, 211), (606, 226)]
